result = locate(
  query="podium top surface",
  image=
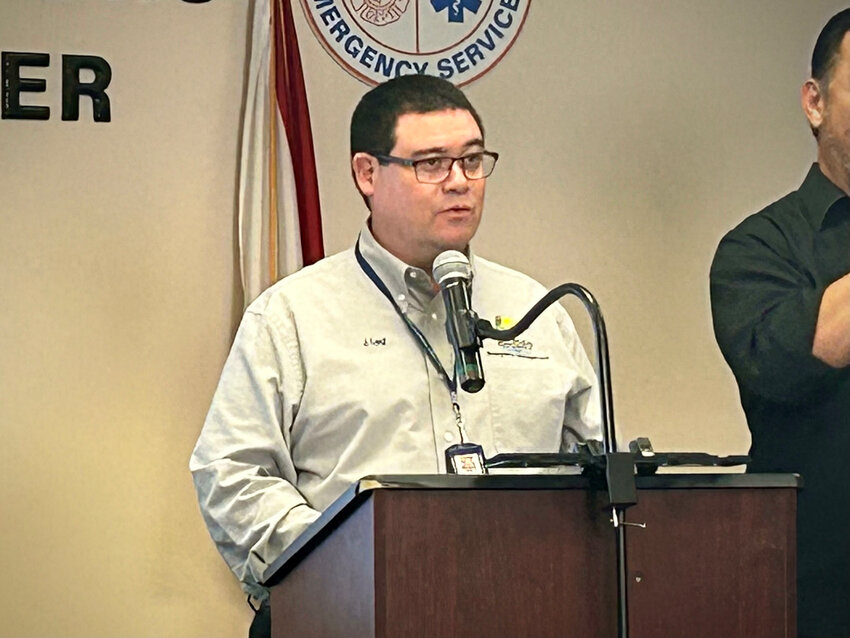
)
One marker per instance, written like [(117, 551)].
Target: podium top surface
[(365, 487)]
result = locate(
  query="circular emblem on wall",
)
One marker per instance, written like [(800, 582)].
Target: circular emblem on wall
[(458, 40)]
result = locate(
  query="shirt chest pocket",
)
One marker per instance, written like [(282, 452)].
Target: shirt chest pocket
[(527, 400)]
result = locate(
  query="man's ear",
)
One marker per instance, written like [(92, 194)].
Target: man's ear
[(363, 168), (814, 102)]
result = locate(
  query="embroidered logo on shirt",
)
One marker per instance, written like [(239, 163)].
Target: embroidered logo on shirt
[(516, 348), (369, 341), (519, 347)]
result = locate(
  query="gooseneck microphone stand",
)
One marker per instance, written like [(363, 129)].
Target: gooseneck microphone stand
[(619, 466)]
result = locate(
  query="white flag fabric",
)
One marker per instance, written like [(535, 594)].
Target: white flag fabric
[(270, 209)]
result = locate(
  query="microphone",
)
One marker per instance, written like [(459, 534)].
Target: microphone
[(451, 270)]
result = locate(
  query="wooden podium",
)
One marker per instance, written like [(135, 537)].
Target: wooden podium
[(534, 555)]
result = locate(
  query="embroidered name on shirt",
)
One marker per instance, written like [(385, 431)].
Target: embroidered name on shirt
[(374, 342)]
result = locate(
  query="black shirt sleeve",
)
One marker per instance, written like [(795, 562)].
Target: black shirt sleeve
[(765, 303)]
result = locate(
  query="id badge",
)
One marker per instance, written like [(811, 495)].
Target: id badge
[(465, 458)]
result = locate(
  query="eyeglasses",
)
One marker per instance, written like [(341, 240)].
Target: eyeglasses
[(434, 170)]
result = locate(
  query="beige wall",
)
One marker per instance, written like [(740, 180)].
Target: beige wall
[(633, 134)]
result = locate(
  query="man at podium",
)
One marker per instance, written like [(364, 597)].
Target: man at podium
[(780, 294), (344, 369)]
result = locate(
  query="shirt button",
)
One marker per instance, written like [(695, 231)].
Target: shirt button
[(412, 274), (448, 436)]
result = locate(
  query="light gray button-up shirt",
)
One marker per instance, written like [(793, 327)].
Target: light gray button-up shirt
[(325, 384)]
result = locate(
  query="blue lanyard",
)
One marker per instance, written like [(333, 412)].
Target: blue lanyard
[(414, 330)]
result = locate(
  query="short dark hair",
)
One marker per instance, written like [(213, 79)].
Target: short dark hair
[(374, 119), (828, 46)]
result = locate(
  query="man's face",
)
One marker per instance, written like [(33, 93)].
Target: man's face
[(834, 129), (415, 221)]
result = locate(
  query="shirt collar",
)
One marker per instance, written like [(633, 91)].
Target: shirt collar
[(819, 195), (407, 284)]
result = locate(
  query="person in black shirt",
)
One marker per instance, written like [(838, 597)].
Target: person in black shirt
[(780, 299)]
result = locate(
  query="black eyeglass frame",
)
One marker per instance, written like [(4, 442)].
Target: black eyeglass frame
[(413, 163)]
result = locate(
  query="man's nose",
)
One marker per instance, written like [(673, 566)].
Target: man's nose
[(456, 179)]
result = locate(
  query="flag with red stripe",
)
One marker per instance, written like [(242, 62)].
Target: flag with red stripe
[(280, 226)]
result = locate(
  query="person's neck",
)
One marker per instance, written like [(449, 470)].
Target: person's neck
[(417, 261), (834, 172)]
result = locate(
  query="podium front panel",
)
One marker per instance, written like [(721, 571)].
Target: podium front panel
[(713, 562), (535, 556), (494, 563)]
